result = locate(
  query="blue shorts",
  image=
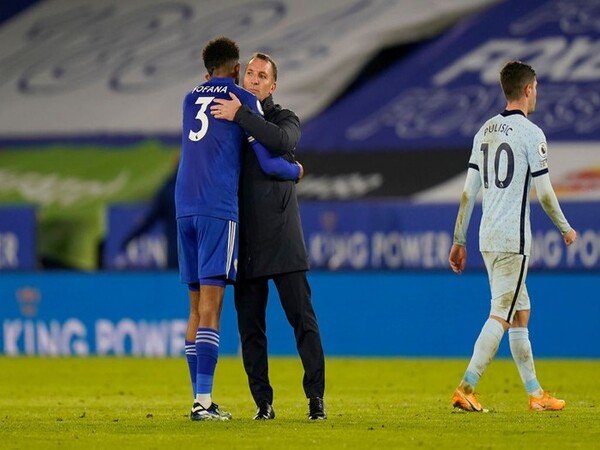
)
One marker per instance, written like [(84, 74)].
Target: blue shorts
[(208, 250)]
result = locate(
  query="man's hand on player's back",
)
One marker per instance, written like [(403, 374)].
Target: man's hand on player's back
[(225, 109)]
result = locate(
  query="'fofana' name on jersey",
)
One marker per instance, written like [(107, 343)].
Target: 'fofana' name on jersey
[(210, 89), (502, 128)]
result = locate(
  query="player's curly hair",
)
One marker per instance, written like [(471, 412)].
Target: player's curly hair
[(514, 76), (220, 52)]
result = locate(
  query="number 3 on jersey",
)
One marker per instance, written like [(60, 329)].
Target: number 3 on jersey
[(202, 117), (510, 165)]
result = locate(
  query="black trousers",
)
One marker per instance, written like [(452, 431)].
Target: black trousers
[(251, 303)]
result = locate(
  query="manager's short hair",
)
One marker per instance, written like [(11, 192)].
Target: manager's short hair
[(266, 57)]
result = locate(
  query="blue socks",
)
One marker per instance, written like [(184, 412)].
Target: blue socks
[(190, 354), (207, 353)]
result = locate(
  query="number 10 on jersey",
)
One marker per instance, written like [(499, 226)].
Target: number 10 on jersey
[(510, 165)]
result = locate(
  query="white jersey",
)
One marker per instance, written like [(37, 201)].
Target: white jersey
[(507, 151)]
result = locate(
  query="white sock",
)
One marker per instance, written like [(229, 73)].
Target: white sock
[(204, 399), (520, 347), (484, 351)]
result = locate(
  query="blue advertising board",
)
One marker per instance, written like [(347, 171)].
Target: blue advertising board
[(375, 235), (441, 95), (394, 314), (382, 235), (146, 251), (17, 238), (103, 314)]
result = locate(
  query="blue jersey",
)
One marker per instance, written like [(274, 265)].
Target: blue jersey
[(211, 153)]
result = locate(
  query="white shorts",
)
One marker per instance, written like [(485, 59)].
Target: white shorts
[(507, 273)]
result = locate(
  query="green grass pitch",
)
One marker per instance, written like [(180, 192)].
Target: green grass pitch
[(372, 403)]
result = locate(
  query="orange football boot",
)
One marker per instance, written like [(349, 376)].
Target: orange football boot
[(466, 402), (545, 403)]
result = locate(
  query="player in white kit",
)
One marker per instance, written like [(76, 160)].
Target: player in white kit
[(508, 152)]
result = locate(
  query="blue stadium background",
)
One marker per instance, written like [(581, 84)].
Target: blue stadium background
[(388, 110)]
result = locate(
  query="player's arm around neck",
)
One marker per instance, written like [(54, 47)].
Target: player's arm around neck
[(458, 253), (547, 198), (275, 166)]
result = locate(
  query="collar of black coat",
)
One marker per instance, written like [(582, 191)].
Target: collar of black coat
[(268, 103), (511, 112)]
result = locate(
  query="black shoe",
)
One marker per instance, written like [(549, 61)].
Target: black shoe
[(316, 409), (212, 413), (264, 412)]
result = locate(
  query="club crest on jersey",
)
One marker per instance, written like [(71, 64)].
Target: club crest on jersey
[(543, 150)]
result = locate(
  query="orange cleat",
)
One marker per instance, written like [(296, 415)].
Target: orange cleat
[(545, 403), (466, 402)]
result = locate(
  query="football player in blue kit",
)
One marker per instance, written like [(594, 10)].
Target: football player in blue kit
[(206, 203)]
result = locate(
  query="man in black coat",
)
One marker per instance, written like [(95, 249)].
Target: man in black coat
[(272, 245)]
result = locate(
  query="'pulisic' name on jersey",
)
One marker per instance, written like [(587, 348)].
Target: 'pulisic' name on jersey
[(501, 128), (210, 89)]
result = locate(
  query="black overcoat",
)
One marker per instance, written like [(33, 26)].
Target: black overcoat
[(271, 238)]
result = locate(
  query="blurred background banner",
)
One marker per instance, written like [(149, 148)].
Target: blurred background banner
[(378, 235), (440, 96), (390, 93), (408, 314), (17, 238), (147, 251), (373, 235), (123, 67), (69, 314), (71, 187)]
